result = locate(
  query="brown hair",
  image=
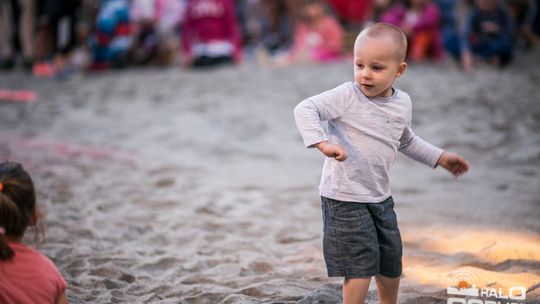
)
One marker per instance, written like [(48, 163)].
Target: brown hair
[(17, 205), (308, 2)]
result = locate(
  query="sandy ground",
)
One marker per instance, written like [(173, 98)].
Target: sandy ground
[(173, 186)]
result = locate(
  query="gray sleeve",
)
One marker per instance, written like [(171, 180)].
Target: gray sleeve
[(312, 111), (418, 149)]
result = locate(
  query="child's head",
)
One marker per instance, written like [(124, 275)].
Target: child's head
[(486, 5), (415, 3), (382, 4), (379, 58), (17, 205), (312, 11)]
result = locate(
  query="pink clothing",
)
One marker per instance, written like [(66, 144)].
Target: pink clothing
[(29, 277), (210, 21), (321, 43), (427, 22), (352, 10)]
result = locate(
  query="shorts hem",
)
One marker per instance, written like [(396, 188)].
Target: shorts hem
[(351, 274), (362, 275), (392, 276)]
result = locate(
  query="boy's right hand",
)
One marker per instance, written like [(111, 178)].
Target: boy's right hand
[(332, 150)]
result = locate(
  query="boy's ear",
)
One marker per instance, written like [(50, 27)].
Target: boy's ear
[(401, 69)]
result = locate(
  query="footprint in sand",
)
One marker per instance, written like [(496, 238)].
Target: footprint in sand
[(502, 187), (165, 182), (289, 236), (161, 265), (114, 273), (255, 268)]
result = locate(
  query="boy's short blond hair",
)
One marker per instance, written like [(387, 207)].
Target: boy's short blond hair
[(380, 29)]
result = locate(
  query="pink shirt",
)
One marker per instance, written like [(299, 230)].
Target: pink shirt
[(322, 42), (29, 277), (207, 21), (427, 21)]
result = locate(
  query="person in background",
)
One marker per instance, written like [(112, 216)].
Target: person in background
[(527, 22), (449, 26), (318, 36), (532, 24), (518, 10), (17, 23), (352, 14), (488, 34), (26, 275), (144, 18), (112, 38), (170, 14), (280, 21), (420, 21), (379, 8), (57, 37), (253, 18), (210, 33), (154, 24), (85, 26)]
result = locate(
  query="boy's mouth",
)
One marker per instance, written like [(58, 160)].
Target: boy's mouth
[(369, 86)]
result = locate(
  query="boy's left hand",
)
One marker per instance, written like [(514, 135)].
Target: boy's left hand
[(454, 163)]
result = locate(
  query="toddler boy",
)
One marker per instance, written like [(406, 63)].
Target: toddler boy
[(369, 121)]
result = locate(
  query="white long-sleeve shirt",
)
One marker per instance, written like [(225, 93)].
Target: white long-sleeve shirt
[(371, 130)]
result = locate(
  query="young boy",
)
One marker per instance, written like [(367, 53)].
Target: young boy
[(368, 122)]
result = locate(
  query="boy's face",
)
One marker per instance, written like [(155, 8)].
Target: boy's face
[(377, 65)]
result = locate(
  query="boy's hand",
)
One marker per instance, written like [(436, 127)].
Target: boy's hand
[(454, 163), (331, 150)]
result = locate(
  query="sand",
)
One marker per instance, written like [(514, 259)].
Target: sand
[(175, 186)]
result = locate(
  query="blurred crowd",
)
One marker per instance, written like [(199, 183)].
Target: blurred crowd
[(55, 38)]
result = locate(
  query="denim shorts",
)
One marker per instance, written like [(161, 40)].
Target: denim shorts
[(361, 239)]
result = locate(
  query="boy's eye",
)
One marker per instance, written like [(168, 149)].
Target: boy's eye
[(377, 68), (360, 65)]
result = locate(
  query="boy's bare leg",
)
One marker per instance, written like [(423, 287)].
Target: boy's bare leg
[(355, 290), (387, 289)]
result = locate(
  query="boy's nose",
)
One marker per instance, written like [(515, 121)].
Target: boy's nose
[(366, 73)]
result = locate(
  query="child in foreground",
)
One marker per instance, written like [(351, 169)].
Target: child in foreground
[(369, 121), (26, 276)]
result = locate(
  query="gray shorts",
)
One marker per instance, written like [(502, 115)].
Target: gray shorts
[(361, 239)]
